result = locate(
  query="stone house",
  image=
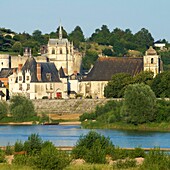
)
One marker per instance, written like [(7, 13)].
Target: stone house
[(37, 80), (105, 67)]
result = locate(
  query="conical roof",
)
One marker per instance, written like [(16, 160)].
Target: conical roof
[(151, 51)]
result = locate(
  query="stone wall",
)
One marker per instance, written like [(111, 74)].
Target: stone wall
[(66, 106)]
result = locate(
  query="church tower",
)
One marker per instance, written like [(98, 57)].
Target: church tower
[(62, 53), (152, 62)]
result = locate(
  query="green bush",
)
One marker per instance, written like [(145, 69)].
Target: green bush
[(18, 146), (128, 163), (93, 148), (156, 160), (2, 156), (8, 150), (3, 109), (33, 145), (21, 108), (50, 158)]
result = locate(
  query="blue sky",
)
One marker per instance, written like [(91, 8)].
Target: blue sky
[(45, 15)]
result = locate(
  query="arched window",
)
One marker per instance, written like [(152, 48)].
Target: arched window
[(53, 51), (151, 60), (61, 51)]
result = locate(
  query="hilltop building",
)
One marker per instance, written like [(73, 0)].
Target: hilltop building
[(62, 53)]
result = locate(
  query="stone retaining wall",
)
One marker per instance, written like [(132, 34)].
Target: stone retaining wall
[(67, 106)]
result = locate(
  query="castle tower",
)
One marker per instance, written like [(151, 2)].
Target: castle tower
[(152, 61)]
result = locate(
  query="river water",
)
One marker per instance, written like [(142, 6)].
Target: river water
[(67, 135)]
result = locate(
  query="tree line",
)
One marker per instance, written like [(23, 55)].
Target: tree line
[(117, 43)]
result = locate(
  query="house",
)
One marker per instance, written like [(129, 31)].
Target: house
[(105, 67), (37, 80), (3, 92)]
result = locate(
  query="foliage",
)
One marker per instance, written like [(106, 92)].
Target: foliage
[(21, 108), (9, 150), (51, 158), (156, 160), (2, 156), (3, 109), (18, 146), (124, 164), (163, 110), (77, 36), (116, 86), (33, 145), (93, 148), (160, 84), (139, 104), (89, 59)]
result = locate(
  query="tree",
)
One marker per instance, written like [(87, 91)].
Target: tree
[(93, 148), (101, 36), (139, 105), (64, 33), (3, 109), (115, 87), (21, 108), (77, 36), (17, 47), (37, 36), (89, 59), (143, 39), (160, 84), (145, 77)]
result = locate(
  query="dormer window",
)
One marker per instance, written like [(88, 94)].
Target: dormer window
[(20, 78), (27, 78), (151, 60), (48, 76)]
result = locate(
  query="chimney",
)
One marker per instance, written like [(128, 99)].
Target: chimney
[(39, 71), (19, 67)]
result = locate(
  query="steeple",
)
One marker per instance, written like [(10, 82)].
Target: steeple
[(60, 32)]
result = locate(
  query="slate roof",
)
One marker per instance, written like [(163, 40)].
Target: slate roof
[(46, 68), (6, 72), (106, 67), (61, 73), (57, 41)]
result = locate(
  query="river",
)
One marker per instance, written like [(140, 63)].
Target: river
[(67, 135)]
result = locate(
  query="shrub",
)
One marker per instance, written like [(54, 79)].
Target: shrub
[(156, 160), (18, 146), (8, 150), (3, 109), (124, 164), (50, 158), (93, 148), (2, 156), (33, 145), (21, 108)]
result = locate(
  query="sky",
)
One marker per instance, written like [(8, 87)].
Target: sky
[(45, 15)]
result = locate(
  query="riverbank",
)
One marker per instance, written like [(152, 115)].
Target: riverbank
[(157, 127)]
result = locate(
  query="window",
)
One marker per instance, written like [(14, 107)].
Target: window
[(48, 76), (53, 51), (20, 86), (20, 78), (27, 78), (61, 51), (51, 86), (151, 60), (28, 86)]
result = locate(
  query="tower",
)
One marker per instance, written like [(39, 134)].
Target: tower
[(152, 61)]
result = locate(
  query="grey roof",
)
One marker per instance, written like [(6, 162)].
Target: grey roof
[(57, 41), (46, 68), (61, 73), (6, 72), (106, 67)]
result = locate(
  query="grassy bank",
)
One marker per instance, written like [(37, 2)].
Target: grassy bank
[(163, 126)]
